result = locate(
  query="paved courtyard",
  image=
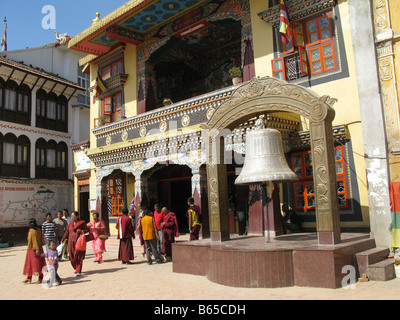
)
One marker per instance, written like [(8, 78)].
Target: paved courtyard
[(113, 280)]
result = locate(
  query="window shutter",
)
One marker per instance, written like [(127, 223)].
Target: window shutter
[(299, 38), (303, 61), (278, 68)]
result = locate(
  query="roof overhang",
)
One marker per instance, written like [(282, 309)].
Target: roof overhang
[(33, 77), (130, 23)]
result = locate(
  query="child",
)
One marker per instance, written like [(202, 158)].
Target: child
[(52, 258)]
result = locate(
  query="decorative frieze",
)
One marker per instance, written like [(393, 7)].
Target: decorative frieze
[(297, 9)]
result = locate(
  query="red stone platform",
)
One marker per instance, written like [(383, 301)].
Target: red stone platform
[(288, 260)]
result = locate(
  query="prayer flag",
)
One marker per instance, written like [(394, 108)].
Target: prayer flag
[(99, 87), (284, 25), (394, 189), (4, 38)]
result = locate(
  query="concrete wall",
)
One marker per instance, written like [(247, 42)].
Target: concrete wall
[(372, 118)]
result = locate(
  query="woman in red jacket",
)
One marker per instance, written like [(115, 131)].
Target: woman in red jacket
[(75, 229)]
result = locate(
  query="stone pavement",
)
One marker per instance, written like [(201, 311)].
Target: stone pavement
[(140, 281)]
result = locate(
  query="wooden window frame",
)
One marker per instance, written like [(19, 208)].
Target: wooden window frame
[(116, 198), (60, 120), (21, 165), (22, 106), (299, 34), (60, 169), (112, 107), (322, 59), (319, 30), (304, 180), (112, 69), (283, 70), (301, 39)]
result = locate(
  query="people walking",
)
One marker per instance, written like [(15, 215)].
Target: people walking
[(170, 231), (76, 229), (194, 219), (158, 218), (61, 226), (49, 230), (66, 216), (34, 263), (60, 230), (98, 230), (149, 233), (125, 235), (52, 258)]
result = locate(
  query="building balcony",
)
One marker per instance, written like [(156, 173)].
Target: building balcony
[(174, 129), (186, 113)]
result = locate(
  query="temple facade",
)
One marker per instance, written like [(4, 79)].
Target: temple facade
[(166, 66)]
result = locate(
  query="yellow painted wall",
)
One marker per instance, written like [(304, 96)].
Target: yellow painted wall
[(262, 39), (344, 90), (130, 88)]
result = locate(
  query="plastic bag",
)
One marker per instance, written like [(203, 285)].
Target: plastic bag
[(60, 248), (81, 243)]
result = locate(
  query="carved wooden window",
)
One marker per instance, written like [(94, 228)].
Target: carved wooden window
[(15, 156), (51, 111), (115, 190), (311, 51), (15, 102), (51, 160), (304, 193), (112, 69), (112, 108)]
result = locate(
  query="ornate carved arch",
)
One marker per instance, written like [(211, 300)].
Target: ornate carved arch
[(260, 96)]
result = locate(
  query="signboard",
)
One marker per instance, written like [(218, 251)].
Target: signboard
[(23, 200)]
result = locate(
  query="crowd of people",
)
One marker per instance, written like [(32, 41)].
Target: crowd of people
[(66, 237)]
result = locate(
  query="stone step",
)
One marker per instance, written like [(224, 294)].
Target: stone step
[(369, 257), (381, 271)]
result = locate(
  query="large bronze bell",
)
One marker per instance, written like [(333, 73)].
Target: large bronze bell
[(265, 159)]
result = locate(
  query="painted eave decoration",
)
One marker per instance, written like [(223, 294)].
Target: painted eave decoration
[(297, 9), (130, 23)]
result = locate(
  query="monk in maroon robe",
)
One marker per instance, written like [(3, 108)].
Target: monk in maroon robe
[(170, 231), (75, 229), (125, 235)]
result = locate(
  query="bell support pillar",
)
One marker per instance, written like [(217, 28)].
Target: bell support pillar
[(217, 186), (327, 210)]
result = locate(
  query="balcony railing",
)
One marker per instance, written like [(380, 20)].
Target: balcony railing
[(182, 114)]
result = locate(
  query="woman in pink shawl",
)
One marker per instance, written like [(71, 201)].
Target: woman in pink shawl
[(170, 227), (98, 228)]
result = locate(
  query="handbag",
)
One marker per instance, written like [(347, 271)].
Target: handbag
[(81, 243), (103, 236)]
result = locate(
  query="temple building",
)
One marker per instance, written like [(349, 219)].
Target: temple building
[(165, 65)]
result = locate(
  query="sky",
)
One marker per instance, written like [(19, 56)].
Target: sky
[(27, 26)]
